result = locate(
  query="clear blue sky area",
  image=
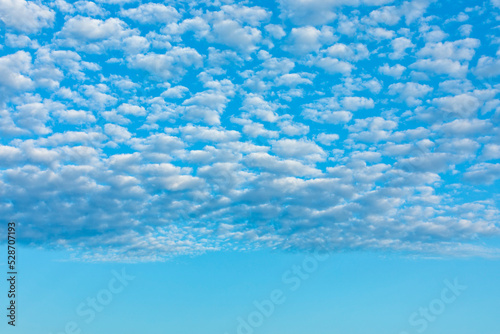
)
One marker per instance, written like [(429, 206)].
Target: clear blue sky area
[(344, 293)]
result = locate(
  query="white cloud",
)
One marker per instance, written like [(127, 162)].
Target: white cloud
[(465, 30), (97, 36), (410, 92), (483, 173), (170, 65), (97, 96), (134, 44), (291, 128), (260, 108), (333, 65), (354, 103), (118, 133), (463, 105), (326, 110), (399, 45), (432, 34), (14, 72), (299, 149), (232, 34), (487, 67), (389, 15), (352, 52), (200, 133), (466, 127), (131, 109), (458, 50), (34, 116), (395, 71), (72, 116), (276, 31), (128, 115), (292, 80), (254, 129), (491, 152), (379, 33), (304, 40), (88, 29), (90, 8), (20, 41), (250, 15), (319, 12), (414, 10), (327, 138), (272, 164), (372, 129), (441, 66), (151, 13), (26, 16), (175, 92)]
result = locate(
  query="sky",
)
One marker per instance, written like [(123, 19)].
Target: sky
[(349, 292), (174, 137)]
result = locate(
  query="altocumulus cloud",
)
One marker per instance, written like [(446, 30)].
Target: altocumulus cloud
[(141, 131)]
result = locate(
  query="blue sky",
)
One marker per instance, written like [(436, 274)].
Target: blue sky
[(145, 132), (354, 292)]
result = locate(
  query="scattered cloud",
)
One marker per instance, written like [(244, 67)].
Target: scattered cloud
[(141, 131)]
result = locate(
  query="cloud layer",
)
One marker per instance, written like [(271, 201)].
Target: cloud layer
[(147, 130)]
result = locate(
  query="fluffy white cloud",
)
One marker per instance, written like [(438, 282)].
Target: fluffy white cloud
[(463, 105), (260, 108), (19, 41), (399, 45), (354, 103), (199, 133), (483, 173), (276, 31), (292, 80), (131, 109), (320, 11), (487, 67), (465, 127), (272, 164), (450, 67), (327, 138), (75, 116), (97, 36), (26, 16), (352, 52), (170, 65), (323, 111), (254, 129), (307, 39), (85, 28), (459, 50), (299, 149), (333, 65), (389, 15), (254, 16), (379, 33), (232, 34), (151, 13), (395, 71), (14, 70), (491, 152), (410, 92), (118, 133)]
